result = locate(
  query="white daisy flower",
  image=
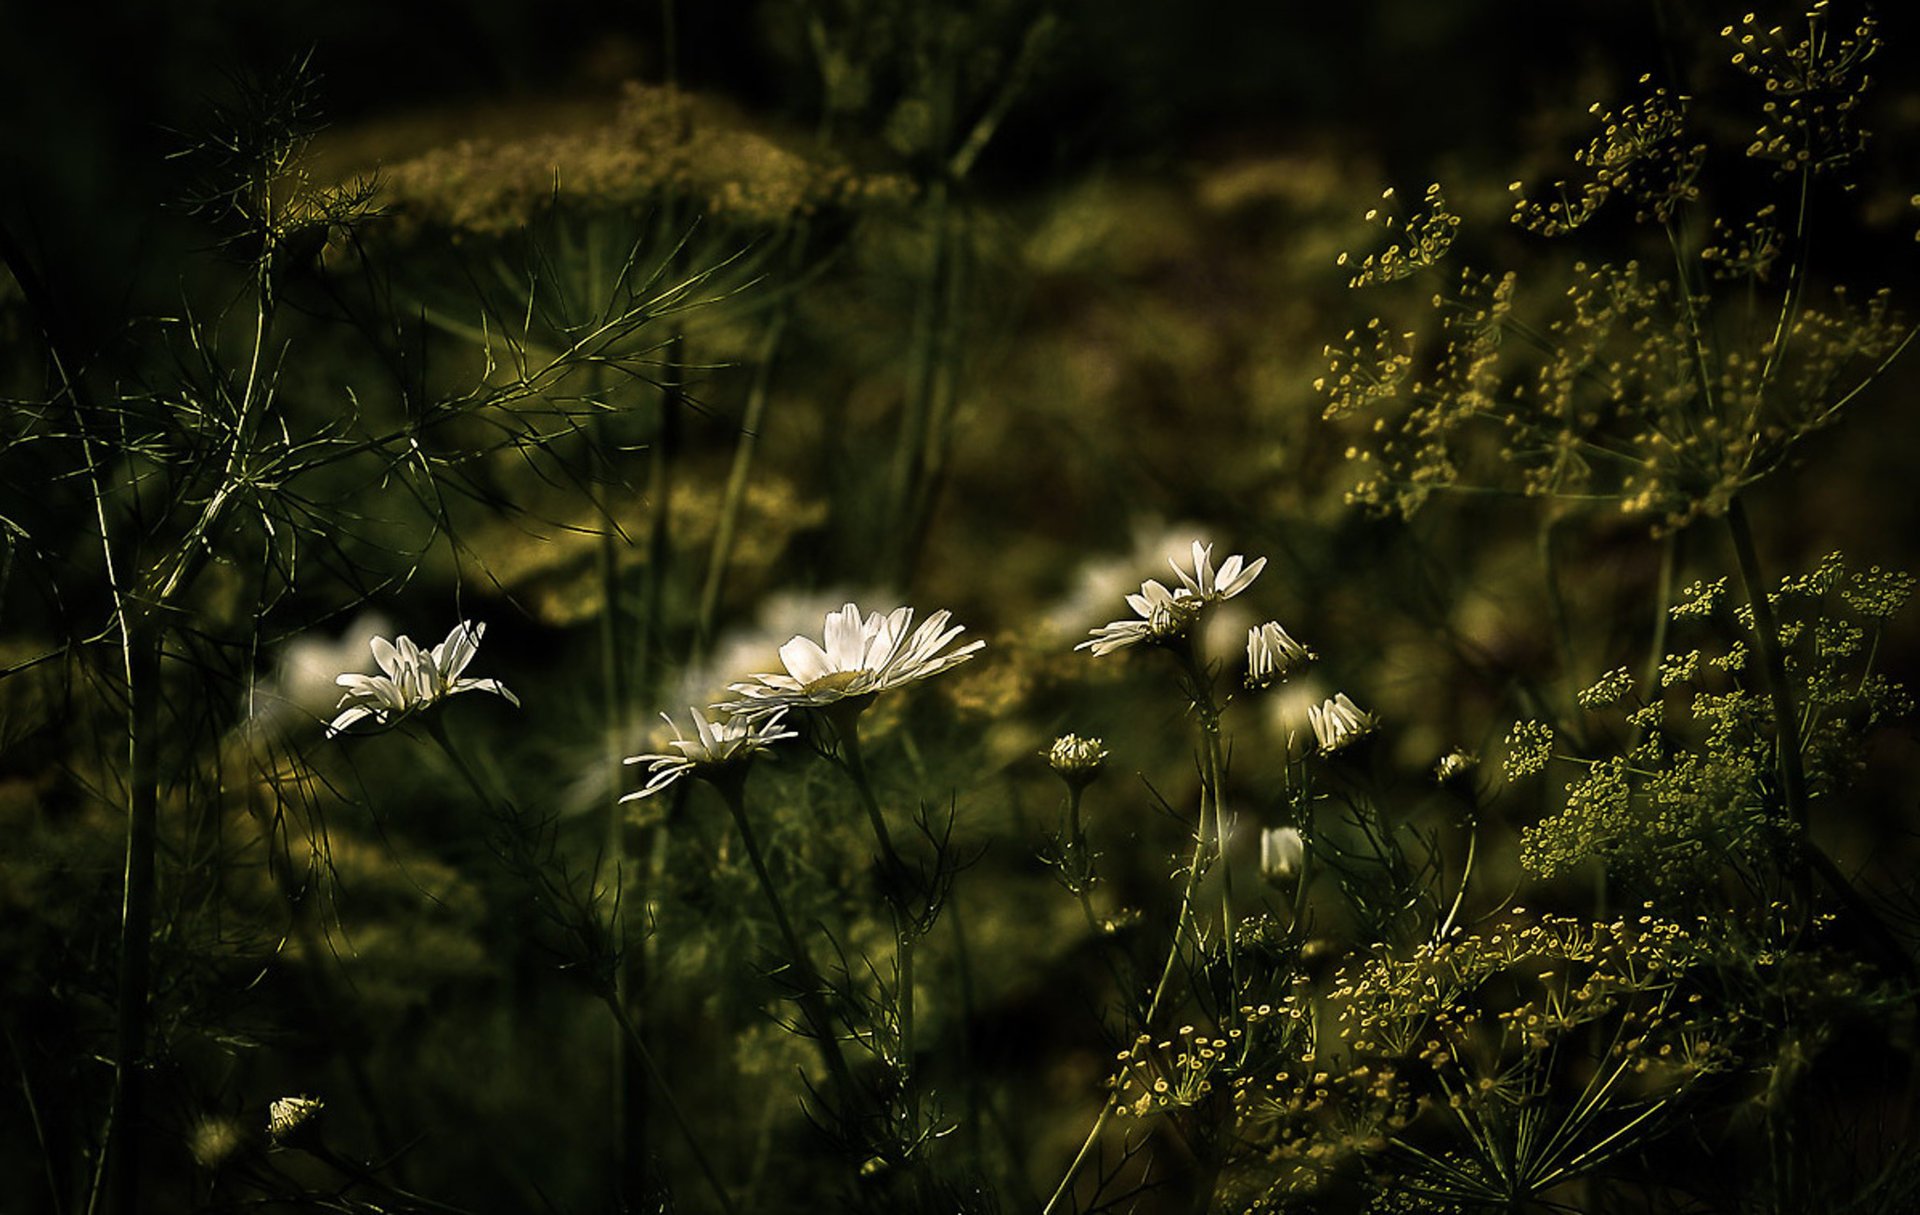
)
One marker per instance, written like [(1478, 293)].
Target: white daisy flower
[(1164, 615), (412, 679), (861, 657), (1208, 586), (1272, 655), (1339, 723), (1282, 851), (716, 745)]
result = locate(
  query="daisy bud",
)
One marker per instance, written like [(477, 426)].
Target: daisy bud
[(1076, 760)]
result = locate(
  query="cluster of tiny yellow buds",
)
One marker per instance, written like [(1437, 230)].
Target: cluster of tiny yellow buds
[(1077, 760), (1878, 593), (1172, 1073), (1529, 748), (1416, 242), (1700, 601), (1679, 668), (1606, 690), (1814, 84), (1367, 370), (1455, 767), (1748, 253)]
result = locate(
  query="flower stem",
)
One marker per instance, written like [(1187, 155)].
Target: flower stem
[(810, 985), (126, 1125), (673, 1105), (1180, 929), (904, 929), (1786, 716), (504, 807)]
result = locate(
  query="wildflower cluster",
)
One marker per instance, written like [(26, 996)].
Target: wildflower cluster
[(1625, 387), (1644, 151), (1814, 78), (661, 143), (1695, 791), (1414, 242)]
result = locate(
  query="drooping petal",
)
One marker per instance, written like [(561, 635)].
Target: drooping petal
[(347, 718), (487, 685)]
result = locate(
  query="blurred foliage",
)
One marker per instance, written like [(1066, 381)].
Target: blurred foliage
[(649, 336)]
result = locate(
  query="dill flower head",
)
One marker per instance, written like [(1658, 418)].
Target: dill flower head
[(1272, 655), (1282, 851), (716, 749), (1339, 723), (1165, 614), (290, 1119), (412, 679), (1075, 759), (860, 658)]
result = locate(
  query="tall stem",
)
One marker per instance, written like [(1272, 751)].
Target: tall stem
[(751, 421), (810, 985), (501, 806), (1160, 988), (1766, 628), (628, 1113), (904, 929), (141, 638)]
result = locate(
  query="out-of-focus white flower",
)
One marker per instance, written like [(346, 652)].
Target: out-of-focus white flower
[(860, 657), (1272, 655), (1339, 723), (716, 747), (413, 679), (290, 1119), (1164, 616), (1206, 585), (301, 685), (1282, 851), (1455, 766), (1077, 760)]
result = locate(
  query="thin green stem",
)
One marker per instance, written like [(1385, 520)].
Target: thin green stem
[(437, 731), (628, 1130), (753, 418), (904, 929), (1212, 797), (1766, 629), (141, 637), (810, 985), (1160, 988), (665, 1090)]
